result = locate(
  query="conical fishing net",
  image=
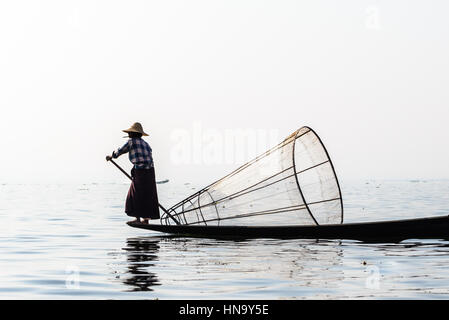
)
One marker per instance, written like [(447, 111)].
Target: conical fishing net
[(293, 183)]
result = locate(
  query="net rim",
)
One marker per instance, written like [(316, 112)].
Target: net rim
[(329, 160)]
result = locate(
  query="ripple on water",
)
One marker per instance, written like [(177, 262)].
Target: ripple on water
[(60, 242)]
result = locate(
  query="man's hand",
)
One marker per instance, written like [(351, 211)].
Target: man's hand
[(108, 158)]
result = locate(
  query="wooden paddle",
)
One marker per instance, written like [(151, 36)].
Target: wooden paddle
[(126, 174)]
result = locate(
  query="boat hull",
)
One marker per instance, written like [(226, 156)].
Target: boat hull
[(398, 230)]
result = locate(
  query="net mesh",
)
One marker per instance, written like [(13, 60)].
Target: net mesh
[(293, 183)]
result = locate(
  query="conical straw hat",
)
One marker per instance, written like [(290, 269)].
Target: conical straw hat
[(136, 127)]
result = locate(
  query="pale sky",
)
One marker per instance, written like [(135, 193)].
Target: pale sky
[(370, 77)]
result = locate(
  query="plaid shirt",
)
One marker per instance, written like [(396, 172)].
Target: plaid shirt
[(140, 153)]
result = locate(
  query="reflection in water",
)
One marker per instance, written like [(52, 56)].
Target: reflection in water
[(269, 268), (140, 252)]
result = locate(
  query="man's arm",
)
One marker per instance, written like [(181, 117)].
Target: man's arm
[(119, 152)]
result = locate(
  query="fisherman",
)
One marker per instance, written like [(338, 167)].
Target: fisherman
[(142, 201)]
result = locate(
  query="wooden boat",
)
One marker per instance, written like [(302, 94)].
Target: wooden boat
[(383, 231)]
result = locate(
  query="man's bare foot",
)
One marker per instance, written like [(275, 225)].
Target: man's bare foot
[(145, 221), (135, 221)]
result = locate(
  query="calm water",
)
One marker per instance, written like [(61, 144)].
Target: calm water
[(70, 241)]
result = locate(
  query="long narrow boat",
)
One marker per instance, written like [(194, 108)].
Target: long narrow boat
[(294, 182), (388, 231)]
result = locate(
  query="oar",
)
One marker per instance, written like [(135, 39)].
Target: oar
[(126, 174)]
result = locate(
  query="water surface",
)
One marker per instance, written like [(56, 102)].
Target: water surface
[(70, 241)]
